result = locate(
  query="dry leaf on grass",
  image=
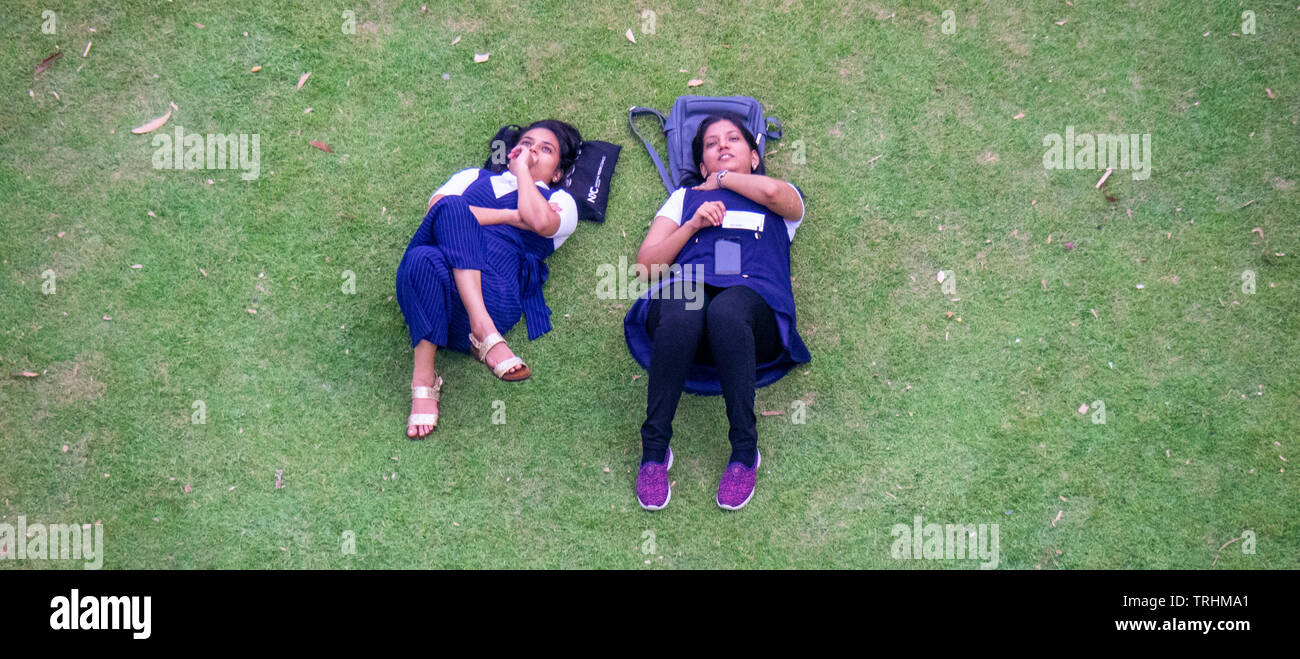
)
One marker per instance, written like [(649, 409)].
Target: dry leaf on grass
[(302, 80), (152, 125), (27, 374), (45, 63), (199, 25), (1019, 116), (1269, 92), (630, 36), (1216, 556), (1062, 21), (694, 82), (455, 41), (255, 69), (479, 58), (322, 146), (1103, 178)]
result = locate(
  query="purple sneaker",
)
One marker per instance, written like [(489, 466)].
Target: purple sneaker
[(737, 485), (652, 487)]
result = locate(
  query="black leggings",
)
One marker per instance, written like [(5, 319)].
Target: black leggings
[(734, 330)]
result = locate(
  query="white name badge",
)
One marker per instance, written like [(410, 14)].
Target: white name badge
[(747, 220)]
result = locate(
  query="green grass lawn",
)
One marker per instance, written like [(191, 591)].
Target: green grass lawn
[(904, 139)]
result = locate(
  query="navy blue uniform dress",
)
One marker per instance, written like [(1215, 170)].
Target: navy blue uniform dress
[(764, 238), (512, 261)]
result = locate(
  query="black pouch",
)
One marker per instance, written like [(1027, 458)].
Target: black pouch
[(589, 180)]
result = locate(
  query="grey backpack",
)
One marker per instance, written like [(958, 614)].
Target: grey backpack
[(684, 120)]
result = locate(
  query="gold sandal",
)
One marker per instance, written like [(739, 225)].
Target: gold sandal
[(425, 419), (480, 353)]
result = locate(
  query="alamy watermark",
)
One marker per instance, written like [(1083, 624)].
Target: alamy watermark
[(675, 282), (1086, 151), (946, 542), (77, 611), (74, 542), (211, 151)]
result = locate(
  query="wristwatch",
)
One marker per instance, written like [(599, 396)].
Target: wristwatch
[(721, 174)]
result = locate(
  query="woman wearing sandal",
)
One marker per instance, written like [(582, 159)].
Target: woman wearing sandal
[(477, 262), (732, 236)]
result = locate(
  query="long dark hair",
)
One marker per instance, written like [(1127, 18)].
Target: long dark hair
[(697, 144), (570, 141)]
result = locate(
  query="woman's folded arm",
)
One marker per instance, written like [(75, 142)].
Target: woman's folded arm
[(779, 196), (487, 216), (663, 243)]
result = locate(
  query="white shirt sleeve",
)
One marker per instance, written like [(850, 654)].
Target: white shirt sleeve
[(792, 225), (456, 184), (568, 216), (672, 209)]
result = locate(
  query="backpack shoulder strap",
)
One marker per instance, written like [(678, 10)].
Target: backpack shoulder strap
[(654, 155), (770, 134)]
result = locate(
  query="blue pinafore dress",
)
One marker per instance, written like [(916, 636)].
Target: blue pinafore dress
[(765, 269), (512, 262)]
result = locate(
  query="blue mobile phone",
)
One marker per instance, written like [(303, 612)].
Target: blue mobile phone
[(726, 257)]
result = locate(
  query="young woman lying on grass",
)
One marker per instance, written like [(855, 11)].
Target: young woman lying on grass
[(477, 262), (743, 336)]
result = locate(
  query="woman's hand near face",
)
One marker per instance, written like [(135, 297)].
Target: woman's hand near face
[(521, 162)]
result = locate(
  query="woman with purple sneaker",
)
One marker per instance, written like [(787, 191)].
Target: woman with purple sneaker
[(724, 321)]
